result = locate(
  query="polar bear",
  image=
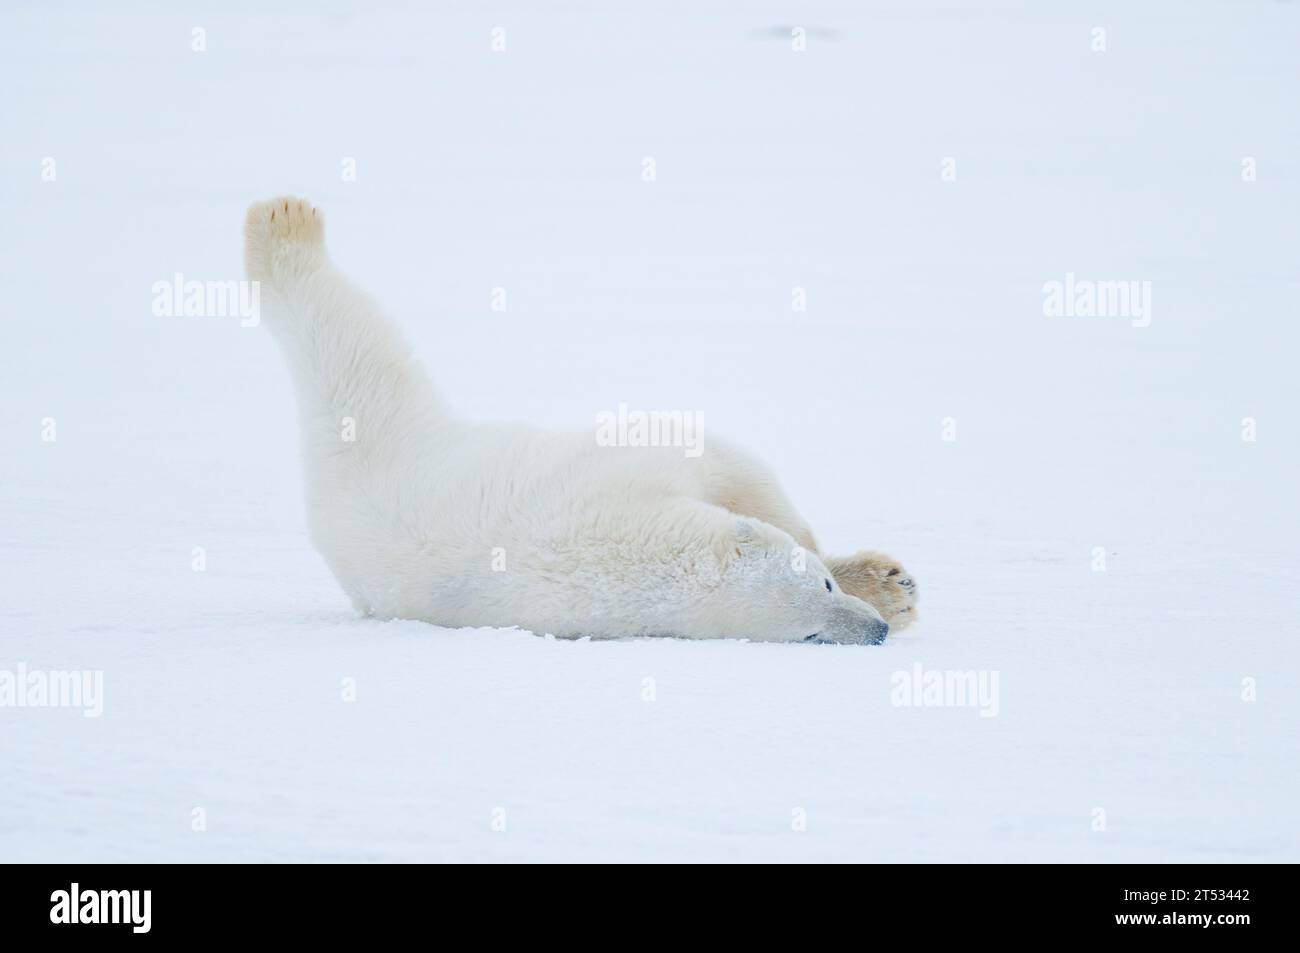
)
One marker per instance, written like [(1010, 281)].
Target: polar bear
[(422, 515)]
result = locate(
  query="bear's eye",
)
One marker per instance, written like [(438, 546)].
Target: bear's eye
[(828, 586)]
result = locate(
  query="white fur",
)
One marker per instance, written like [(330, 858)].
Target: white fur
[(416, 514)]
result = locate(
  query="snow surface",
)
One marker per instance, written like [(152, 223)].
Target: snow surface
[(1120, 690)]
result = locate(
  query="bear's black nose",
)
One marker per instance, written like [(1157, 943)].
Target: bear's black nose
[(876, 632)]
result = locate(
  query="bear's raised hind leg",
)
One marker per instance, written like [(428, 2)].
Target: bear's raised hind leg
[(351, 365)]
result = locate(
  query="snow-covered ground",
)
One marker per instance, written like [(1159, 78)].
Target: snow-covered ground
[(1122, 729)]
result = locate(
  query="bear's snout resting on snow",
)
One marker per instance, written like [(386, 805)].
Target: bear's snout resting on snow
[(422, 515)]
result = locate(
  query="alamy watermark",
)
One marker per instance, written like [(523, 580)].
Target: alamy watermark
[(651, 428), (129, 907), (179, 298), (34, 688), (1083, 298), (918, 688)]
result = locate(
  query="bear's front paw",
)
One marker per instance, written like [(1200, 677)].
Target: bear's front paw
[(879, 580)]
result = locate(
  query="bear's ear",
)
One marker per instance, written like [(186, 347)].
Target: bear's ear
[(749, 539), (747, 535)]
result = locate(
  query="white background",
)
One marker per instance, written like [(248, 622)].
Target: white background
[(1119, 690)]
